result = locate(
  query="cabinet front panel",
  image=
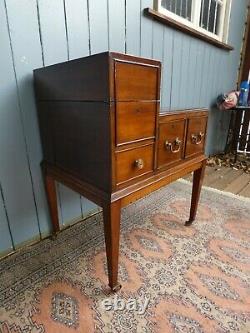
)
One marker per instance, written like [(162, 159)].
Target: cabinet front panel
[(135, 121), (132, 163), (171, 142), (196, 134), (135, 81)]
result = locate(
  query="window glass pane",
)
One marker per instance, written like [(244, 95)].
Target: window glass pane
[(210, 15), (217, 22), (181, 8), (204, 13)]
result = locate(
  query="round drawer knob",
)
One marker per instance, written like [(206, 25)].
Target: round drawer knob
[(139, 164)]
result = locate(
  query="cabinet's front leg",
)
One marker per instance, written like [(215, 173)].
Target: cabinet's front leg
[(197, 184), (50, 187), (111, 219)]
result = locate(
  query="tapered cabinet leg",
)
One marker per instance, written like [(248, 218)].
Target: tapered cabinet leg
[(50, 187), (197, 184), (111, 219)]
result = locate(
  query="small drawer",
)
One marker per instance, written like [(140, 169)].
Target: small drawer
[(132, 163), (171, 142), (196, 134), (135, 121), (135, 81)]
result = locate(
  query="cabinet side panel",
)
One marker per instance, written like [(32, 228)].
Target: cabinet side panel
[(75, 137), (84, 79)]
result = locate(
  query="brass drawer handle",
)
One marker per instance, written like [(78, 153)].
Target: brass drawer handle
[(197, 138), (139, 164), (173, 146)]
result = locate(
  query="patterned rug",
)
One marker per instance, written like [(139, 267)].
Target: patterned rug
[(175, 278)]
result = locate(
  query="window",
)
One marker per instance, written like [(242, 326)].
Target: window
[(211, 17)]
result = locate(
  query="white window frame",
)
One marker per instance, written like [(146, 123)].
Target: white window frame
[(222, 36)]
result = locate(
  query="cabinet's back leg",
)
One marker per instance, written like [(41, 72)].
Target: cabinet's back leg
[(50, 187), (111, 219), (197, 184)]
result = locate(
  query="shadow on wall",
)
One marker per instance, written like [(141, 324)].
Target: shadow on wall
[(218, 125)]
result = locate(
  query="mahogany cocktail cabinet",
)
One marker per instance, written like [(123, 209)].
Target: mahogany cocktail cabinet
[(103, 136)]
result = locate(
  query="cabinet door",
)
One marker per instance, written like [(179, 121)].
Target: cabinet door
[(171, 142), (196, 134), (134, 82)]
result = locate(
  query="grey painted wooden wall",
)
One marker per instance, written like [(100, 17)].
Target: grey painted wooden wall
[(43, 32)]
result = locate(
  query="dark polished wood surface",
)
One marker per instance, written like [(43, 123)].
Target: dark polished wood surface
[(103, 137)]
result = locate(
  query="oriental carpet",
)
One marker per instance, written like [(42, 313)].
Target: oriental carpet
[(195, 279)]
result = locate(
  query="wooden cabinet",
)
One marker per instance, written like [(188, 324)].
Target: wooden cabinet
[(104, 137)]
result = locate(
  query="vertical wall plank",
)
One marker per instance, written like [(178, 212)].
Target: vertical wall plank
[(55, 49), (198, 78), (167, 68), (210, 76), (70, 203), (116, 15), (189, 83), (185, 75), (193, 63), (146, 30), (158, 47), (158, 40), (205, 74), (53, 31), (133, 24), (88, 207), (98, 18), (24, 31), (14, 170), (177, 67), (5, 237), (79, 46), (192, 69), (77, 28)]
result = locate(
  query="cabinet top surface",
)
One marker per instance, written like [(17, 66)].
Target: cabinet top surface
[(103, 55)]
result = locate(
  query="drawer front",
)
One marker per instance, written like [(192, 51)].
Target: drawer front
[(135, 121), (171, 142), (135, 81), (196, 134), (132, 163)]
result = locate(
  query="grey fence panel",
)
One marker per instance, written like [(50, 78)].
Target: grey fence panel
[(24, 31), (6, 244), (146, 30), (98, 20), (14, 166), (76, 13), (133, 26), (116, 20), (56, 49)]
